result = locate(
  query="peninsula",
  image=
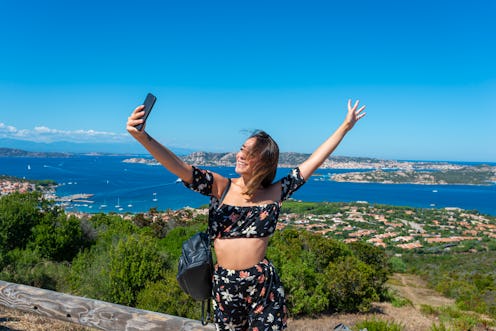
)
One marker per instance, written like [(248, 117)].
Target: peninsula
[(368, 170)]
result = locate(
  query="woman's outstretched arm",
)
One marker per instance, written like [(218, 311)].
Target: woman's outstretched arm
[(161, 153), (318, 157)]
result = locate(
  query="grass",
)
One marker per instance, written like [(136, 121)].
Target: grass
[(378, 325), (454, 319)]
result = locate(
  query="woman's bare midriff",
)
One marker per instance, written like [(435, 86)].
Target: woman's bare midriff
[(240, 253)]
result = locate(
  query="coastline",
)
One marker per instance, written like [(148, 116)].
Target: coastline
[(121, 187)]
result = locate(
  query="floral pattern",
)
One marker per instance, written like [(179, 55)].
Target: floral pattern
[(249, 299), (226, 221)]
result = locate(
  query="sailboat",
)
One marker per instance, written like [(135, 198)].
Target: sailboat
[(29, 167), (104, 205), (118, 205), (154, 197)]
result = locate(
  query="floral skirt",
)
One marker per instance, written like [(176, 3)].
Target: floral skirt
[(251, 299)]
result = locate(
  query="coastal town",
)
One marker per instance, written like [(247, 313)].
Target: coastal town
[(400, 228), (10, 185)]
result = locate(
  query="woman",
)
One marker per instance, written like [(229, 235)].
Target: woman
[(246, 289)]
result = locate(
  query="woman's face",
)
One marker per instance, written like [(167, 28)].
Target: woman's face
[(245, 160)]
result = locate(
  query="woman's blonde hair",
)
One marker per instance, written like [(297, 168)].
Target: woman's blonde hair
[(266, 151)]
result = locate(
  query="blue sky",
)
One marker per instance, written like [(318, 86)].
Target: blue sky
[(74, 70)]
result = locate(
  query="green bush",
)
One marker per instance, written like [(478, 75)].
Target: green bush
[(321, 274), (167, 297), (378, 325), (89, 273), (396, 264), (29, 268), (19, 212), (305, 288), (376, 258), (351, 285), (59, 238), (134, 261), (173, 241)]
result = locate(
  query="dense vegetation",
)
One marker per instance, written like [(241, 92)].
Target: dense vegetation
[(133, 261)]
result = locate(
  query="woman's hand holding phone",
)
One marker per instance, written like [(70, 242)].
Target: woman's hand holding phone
[(136, 122)]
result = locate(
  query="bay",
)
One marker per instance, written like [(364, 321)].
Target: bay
[(131, 187)]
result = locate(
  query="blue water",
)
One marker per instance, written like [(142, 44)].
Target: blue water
[(138, 187)]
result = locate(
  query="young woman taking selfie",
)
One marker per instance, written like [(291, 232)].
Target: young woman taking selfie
[(247, 292)]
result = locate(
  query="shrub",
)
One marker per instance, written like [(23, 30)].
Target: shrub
[(134, 261), (29, 268), (19, 212), (321, 274), (378, 325), (166, 296), (396, 264), (58, 238), (351, 285)]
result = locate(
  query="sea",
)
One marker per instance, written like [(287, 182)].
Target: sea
[(116, 186)]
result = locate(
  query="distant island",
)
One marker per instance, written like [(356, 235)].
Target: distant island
[(370, 170), (466, 175), (13, 152)]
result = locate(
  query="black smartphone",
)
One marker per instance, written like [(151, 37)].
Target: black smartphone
[(149, 102)]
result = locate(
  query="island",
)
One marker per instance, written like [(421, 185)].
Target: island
[(369, 170)]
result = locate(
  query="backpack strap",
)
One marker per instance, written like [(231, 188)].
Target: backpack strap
[(204, 320), (225, 191)]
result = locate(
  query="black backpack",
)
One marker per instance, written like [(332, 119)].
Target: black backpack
[(196, 267), (195, 270)]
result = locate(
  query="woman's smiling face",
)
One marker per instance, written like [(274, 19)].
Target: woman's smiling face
[(245, 160)]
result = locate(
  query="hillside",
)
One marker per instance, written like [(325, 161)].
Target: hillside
[(12, 152)]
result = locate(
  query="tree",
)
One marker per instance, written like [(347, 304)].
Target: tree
[(59, 237), (19, 212), (351, 285), (134, 261)]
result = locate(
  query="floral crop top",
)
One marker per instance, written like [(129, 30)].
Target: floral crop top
[(226, 221)]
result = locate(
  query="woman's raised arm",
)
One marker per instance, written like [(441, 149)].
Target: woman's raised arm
[(318, 157), (161, 153)]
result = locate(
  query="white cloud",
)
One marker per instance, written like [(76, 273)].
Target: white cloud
[(48, 135), (6, 128)]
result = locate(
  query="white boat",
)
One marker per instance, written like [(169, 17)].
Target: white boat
[(118, 205), (154, 197)]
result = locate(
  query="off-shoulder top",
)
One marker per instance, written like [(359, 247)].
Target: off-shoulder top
[(226, 221)]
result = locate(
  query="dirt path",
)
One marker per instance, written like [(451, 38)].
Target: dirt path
[(415, 289), (410, 287)]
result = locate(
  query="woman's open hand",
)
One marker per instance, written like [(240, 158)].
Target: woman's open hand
[(354, 114)]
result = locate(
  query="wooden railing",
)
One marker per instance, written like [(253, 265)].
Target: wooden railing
[(88, 312)]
